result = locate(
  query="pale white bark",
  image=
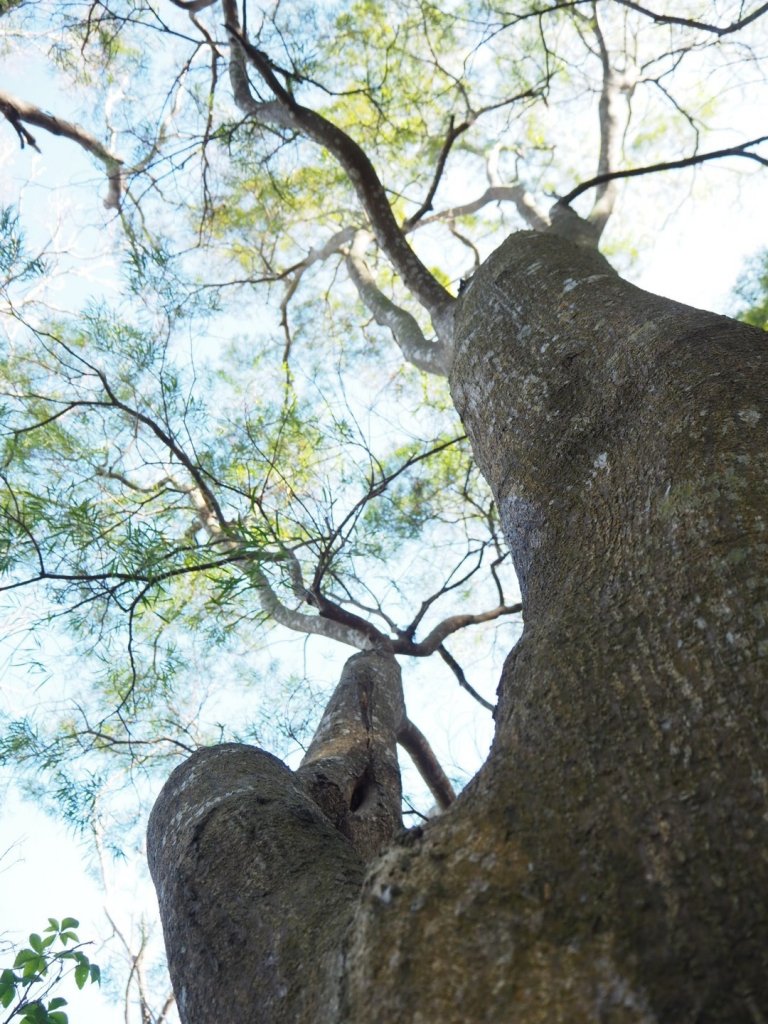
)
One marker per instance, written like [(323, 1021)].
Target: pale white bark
[(430, 356), (536, 218), (612, 115), (300, 621)]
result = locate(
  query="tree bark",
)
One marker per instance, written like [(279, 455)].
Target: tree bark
[(608, 862), (239, 847)]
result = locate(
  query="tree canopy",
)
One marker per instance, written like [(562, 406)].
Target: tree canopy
[(226, 339)]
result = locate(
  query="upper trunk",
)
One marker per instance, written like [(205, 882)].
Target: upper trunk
[(608, 863)]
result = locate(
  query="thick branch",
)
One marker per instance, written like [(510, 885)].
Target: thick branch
[(286, 112), (17, 111), (249, 871), (432, 357), (300, 622), (351, 768), (610, 136)]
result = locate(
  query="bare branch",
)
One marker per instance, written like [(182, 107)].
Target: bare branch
[(320, 625), (16, 111), (442, 630), (669, 165), (193, 6), (535, 218), (458, 671), (452, 134), (416, 744), (432, 357), (703, 26), (295, 273), (610, 134), (376, 487)]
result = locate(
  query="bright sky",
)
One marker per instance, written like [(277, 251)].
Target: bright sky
[(695, 258)]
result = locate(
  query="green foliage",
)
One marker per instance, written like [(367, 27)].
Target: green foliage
[(231, 421), (116, 453), (38, 968), (16, 265), (750, 295), (234, 424)]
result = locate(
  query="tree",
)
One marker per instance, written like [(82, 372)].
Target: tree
[(606, 862)]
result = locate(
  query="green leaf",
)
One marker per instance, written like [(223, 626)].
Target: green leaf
[(69, 922), (53, 925), (35, 1013), (8, 982), (56, 1003), (30, 962), (95, 974), (82, 973), (58, 1017), (36, 942), (7, 977)]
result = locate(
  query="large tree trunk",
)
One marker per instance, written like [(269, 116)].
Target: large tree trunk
[(609, 861)]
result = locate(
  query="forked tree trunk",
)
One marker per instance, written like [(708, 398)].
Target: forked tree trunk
[(609, 861)]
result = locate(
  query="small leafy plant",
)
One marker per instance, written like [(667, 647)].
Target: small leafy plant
[(38, 968)]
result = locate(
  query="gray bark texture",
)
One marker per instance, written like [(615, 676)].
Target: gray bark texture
[(608, 863)]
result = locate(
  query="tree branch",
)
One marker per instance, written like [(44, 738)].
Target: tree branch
[(610, 135), (16, 111), (193, 6), (535, 218), (350, 769), (669, 165), (286, 112), (238, 823), (452, 624), (295, 273), (432, 357), (672, 19), (451, 136), (458, 671), (417, 746)]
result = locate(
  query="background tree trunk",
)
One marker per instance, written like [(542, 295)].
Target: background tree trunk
[(608, 862)]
